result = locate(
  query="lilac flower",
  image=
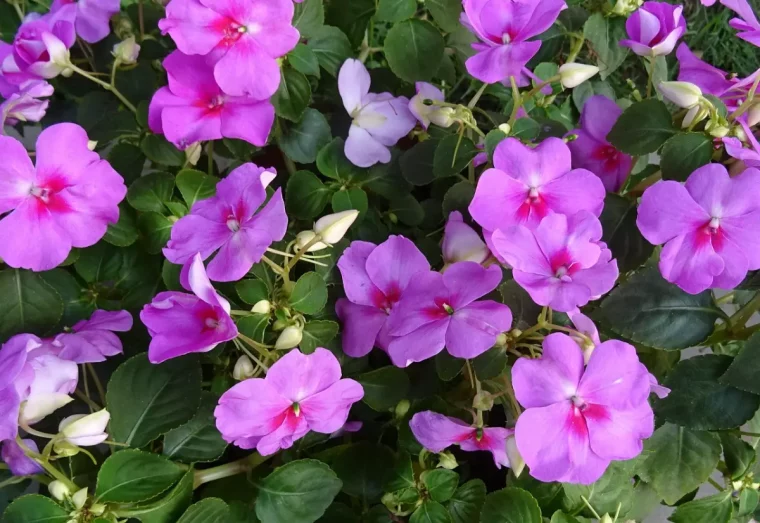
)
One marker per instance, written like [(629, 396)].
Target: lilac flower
[(374, 279), (92, 17), (193, 107), (18, 463), (504, 28), (592, 151), (93, 340), (427, 114), (461, 242), (25, 105), (708, 225), (42, 42), (440, 310), (40, 381), (561, 264), (67, 200), (379, 120), (747, 23), (654, 29), (299, 393), (579, 419), (435, 432), (232, 222), (181, 323), (242, 39)]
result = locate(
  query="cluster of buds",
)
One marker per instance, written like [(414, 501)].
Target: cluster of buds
[(689, 96), (77, 502)]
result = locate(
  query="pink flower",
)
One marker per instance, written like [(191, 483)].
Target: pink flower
[(427, 114), (25, 105), (299, 393), (93, 340), (708, 225), (67, 200), (435, 432), (440, 310), (504, 28), (654, 29), (562, 264), (243, 40), (374, 280), (42, 42), (232, 222), (193, 107), (578, 419), (181, 323), (18, 463), (462, 243), (379, 120), (592, 151), (747, 23), (92, 17)]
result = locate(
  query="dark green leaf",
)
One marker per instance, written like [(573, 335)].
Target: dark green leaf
[(309, 17), (331, 46), (364, 468), (197, 440), (318, 333), (303, 60), (417, 163), (100, 115), (467, 501), (155, 229), (526, 129), (490, 364), (493, 139), (305, 195), (407, 209), (160, 151), (452, 155), (395, 10), (510, 505), (440, 483), (124, 232), (447, 366), (310, 294), (621, 234), (561, 517), (252, 291), (195, 185), (445, 13), (302, 141), (254, 326), (414, 50), (130, 476), (293, 96), (209, 510), (28, 304), (642, 128), (744, 372), (127, 160), (717, 508), (524, 310), (458, 198), (168, 508), (604, 35), (148, 193), (35, 509), (353, 198), (430, 512), (332, 162), (748, 501), (384, 388), (683, 154), (738, 455), (351, 16)]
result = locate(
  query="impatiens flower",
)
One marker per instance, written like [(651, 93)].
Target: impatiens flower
[(461, 242), (374, 279), (436, 432), (92, 17), (18, 462), (578, 419), (379, 120), (85, 430), (562, 264), (193, 107), (67, 200), (299, 393), (181, 323), (504, 28), (426, 113), (708, 225), (243, 40), (93, 340), (41, 381), (439, 310), (26, 105), (747, 23), (654, 29), (592, 151), (42, 43), (233, 222)]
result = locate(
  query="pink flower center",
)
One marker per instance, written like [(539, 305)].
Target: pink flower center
[(441, 310), (233, 224), (534, 204), (579, 403), (46, 195), (387, 300), (230, 30), (711, 233), (563, 266), (606, 153), (216, 102)]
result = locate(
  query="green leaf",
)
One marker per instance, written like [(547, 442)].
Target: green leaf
[(458, 198), (293, 96), (148, 193), (403, 474), (127, 160), (147, 400), (561, 517), (130, 476), (445, 13), (614, 489), (683, 154), (298, 492), (604, 35), (407, 209), (447, 366), (309, 294), (744, 372), (699, 401), (124, 232), (254, 326), (430, 512), (493, 139), (676, 460), (303, 60), (417, 163), (364, 468), (302, 141), (510, 505), (339, 513), (318, 333), (648, 310), (252, 291), (452, 155), (353, 198), (395, 10), (642, 128), (384, 388), (440, 483), (352, 17), (100, 115), (466, 503), (490, 364), (34, 508), (198, 440), (160, 151), (209, 510), (739, 455), (524, 310), (414, 50), (526, 129), (748, 501), (717, 508), (332, 162), (194, 185), (305, 195), (309, 17), (621, 234), (168, 508), (155, 229), (28, 304), (332, 47)]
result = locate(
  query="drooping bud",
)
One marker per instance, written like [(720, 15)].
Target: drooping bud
[(305, 237), (193, 153), (79, 498), (85, 430), (289, 338), (683, 94), (573, 74), (126, 51), (59, 490), (334, 227), (606, 519), (446, 460), (505, 128), (97, 509), (262, 307), (244, 368), (92, 144), (516, 462)]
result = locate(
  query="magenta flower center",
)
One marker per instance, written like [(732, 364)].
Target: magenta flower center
[(233, 224), (607, 154), (579, 403), (441, 310), (533, 203), (231, 31), (386, 301), (46, 194), (563, 266), (216, 102)]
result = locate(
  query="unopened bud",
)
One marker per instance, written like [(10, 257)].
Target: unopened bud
[(333, 227), (262, 307), (244, 368), (753, 115), (717, 129), (79, 498), (695, 115), (85, 430), (606, 519), (402, 407), (97, 509), (193, 153), (482, 401), (305, 237), (92, 144), (505, 128), (126, 51), (446, 460), (57, 50), (573, 74), (443, 116), (516, 461), (502, 340), (626, 7), (64, 449), (289, 338), (59, 490), (683, 94)]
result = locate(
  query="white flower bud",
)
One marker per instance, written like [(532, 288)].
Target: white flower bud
[(505, 128), (695, 115), (334, 227), (443, 116), (262, 307), (683, 94), (97, 509), (626, 7), (572, 74), (79, 498), (92, 144), (243, 368), (753, 116), (59, 490), (717, 129), (304, 237), (193, 153), (446, 460), (127, 51), (85, 430), (516, 462), (606, 519), (289, 338)]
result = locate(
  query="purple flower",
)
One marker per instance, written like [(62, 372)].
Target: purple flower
[(374, 279), (42, 42), (578, 419), (92, 17), (427, 114), (592, 151), (747, 23), (561, 264), (504, 28), (93, 340), (242, 39), (232, 222), (379, 120), (654, 29), (67, 200), (193, 107), (708, 225), (18, 463), (181, 323), (461, 242), (25, 105), (435, 432), (299, 393), (440, 310)]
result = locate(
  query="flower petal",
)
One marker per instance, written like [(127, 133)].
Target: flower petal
[(435, 431)]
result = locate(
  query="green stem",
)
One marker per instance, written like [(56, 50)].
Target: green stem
[(113, 73), (743, 315), (260, 348), (476, 98), (650, 81), (715, 484), (744, 107), (750, 434), (19, 12), (50, 469), (230, 469), (141, 19), (520, 100), (98, 384), (292, 263), (577, 47), (104, 85)]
